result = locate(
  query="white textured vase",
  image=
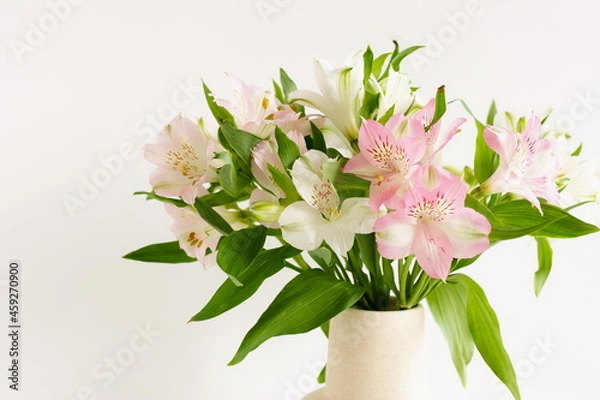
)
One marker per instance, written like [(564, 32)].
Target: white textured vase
[(376, 355)]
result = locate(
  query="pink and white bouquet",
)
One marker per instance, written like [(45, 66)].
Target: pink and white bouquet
[(347, 187)]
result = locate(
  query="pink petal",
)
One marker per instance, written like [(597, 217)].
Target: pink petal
[(501, 141), (468, 233), (360, 166), (433, 251), (395, 235)]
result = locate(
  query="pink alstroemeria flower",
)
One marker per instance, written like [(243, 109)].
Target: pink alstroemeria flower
[(528, 166), (434, 137), (385, 160), (194, 234), (185, 160), (435, 226), (252, 106)]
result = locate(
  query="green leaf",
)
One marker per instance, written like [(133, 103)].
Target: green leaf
[(448, 305), (345, 181), (305, 303), (220, 113), (285, 183), (544, 252), (153, 196), (485, 330), (440, 106), (288, 150), (318, 140), (369, 105), (492, 112), (233, 180), (238, 250), (486, 160), (279, 93), (513, 219), (266, 264), (460, 263), (212, 217), (241, 142), (322, 374), (368, 67), (398, 57), (168, 253), (218, 199), (577, 151), (378, 64), (287, 84), (560, 224)]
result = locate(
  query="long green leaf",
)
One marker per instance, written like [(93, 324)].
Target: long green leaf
[(305, 303), (238, 250), (168, 253), (398, 57), (485, 330), (561, 223), (544, 252), (448, 305), (514, 220), (154, 196), (266, 264), (212, 217)]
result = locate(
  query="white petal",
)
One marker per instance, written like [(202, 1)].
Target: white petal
[(357, 215), (302, 226), (338, 236)]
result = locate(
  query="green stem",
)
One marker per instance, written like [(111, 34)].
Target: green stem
[(292, 266), (404, 278), (301, 262)]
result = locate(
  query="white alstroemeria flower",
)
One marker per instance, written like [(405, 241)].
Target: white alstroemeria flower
[(578, 177), (394, 92), (340, 97), (306, 224)]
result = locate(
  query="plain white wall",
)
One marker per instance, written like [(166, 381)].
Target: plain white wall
[(87, 90)]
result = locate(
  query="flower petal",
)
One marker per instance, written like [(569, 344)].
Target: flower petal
[(395, 235), (468, 233), (302, 226), (433, 251)]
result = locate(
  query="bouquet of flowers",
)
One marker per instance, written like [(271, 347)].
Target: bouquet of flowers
[(347, 187)]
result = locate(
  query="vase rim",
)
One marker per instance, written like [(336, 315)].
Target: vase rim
[(418, 307)]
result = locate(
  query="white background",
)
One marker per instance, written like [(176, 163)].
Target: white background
[(86, 87)]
